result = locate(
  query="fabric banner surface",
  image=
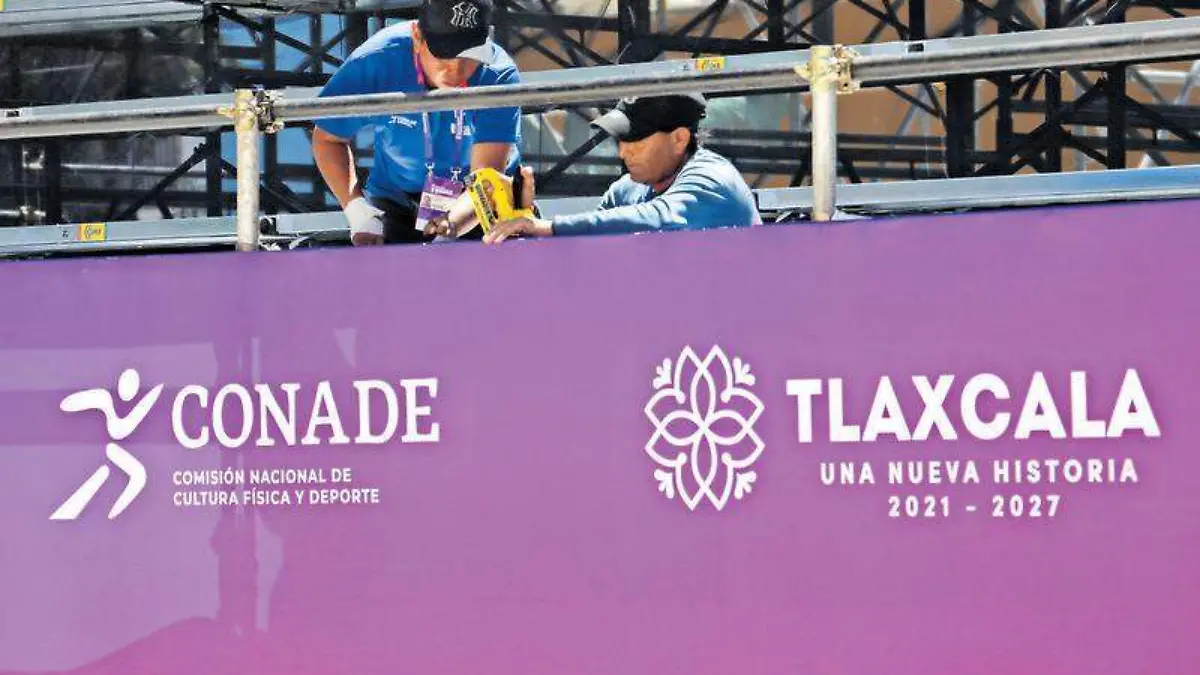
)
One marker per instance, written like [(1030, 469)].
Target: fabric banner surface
[(957, 444)]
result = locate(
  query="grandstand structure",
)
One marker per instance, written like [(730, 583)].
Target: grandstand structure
[(168, 185)]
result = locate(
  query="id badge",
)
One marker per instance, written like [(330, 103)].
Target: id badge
[(437, 198)]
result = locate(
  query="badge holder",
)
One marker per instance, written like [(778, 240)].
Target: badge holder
[(440, 194), (437, 198)]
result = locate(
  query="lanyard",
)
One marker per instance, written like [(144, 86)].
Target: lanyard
[(459, 129), (459, 133)]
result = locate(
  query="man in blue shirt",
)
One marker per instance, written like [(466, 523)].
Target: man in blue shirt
[(672, 183), (420, 159)]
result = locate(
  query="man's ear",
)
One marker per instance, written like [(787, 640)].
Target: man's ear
[(418, 36), (681, 137)]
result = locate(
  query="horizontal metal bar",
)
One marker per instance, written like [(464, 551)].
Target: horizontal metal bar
[(23, 19), (1105, 44), (197, 232), (900, 197), (155, 114), (999, 191), (878, 64), (1142, 41), (1096, 114), (135, 107), (196, 115), (122, 170), (536, 94), (104, 236)]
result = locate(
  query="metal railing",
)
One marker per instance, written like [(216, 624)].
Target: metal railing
[(826, 71)]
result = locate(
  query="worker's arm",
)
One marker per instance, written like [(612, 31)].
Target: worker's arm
[(707, 193), (332, 147), (335, 160), (690, 199), (497, 131), (540, 227), (491, 156)]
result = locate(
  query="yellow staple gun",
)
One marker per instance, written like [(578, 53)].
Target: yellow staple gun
[(494, 197)]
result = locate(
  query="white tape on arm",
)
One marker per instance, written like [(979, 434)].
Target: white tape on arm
[(364, 217)]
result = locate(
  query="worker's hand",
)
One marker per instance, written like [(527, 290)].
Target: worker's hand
[(366, 223), (528, 189), (532, 227), (439, 227), (366, 239)]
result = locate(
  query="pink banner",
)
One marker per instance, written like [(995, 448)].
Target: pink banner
[(939, 445)]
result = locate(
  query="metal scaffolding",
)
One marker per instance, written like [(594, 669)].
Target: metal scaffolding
[(969, 122)]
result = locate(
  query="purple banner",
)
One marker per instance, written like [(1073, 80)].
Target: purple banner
[(959, 444)]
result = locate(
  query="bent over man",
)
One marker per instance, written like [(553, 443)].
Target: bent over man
[(421, 159)]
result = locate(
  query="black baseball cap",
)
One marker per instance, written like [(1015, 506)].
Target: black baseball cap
[(459, 29), (636, 118)]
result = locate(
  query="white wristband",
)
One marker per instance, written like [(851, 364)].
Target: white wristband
[(364, 217)]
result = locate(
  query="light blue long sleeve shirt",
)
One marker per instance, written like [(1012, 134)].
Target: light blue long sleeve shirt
[(708, 192)]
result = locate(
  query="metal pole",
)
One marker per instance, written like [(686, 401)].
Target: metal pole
[(916, 19), (633, 22), (246, 123), (1115, 140), (1015, 52), (1053, 95), (271, 144), (52, 152), (824, 132), (960, 111), (776, 23), (822, 23), (211, 30), (316, 35)]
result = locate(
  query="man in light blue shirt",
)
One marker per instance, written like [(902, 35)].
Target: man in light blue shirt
[(420, 159), (672, 183)]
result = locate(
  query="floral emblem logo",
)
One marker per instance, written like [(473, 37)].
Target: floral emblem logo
[(704, 441)]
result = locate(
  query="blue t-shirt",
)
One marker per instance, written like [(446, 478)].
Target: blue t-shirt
[(385, 64), (708, 192)]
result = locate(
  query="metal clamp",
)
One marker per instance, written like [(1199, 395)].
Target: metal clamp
[(829, 71), (254, 108), (830, 66)]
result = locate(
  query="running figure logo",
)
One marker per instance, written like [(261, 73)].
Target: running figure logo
[(119, 428)]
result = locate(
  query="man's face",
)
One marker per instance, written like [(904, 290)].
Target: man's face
[(444, 73), (655, 158)]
